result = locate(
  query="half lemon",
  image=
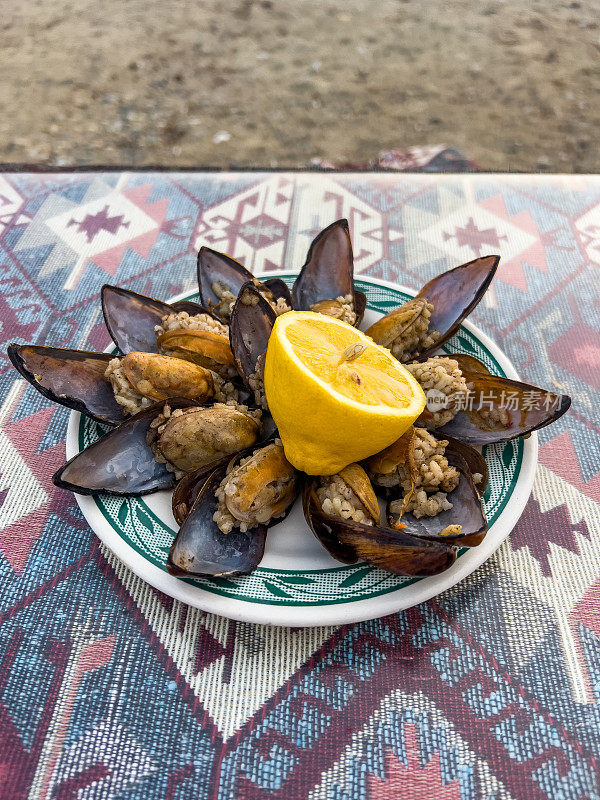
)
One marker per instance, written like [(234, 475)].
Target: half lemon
[(336, 396)]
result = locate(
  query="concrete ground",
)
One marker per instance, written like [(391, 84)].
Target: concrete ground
[(514, 84)]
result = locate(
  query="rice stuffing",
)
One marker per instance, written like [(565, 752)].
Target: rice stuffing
[(225, 391), (227, 299), (279, 305), (435, 478), (256, 382), (445, 386), (125, 395), (338, 500), (157, 426), (198, 322), (422, 504), (225, 296), (416, 336)]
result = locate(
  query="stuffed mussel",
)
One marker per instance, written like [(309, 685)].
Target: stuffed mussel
[(424, 323), (224, 516), (159, 444), (326, 281), (220, 279), (468, 403)]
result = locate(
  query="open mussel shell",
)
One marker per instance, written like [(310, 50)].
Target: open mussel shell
[(467, 511), (469, 364), (121, 462), (474, 460), (131, 317), (215, 267), (72, 378), (250, 327), (190, 307), (328, 272), (201, 549), (189, 487), (360, 306), (455, 294), (394, 551), (278, 288), (498, 409)]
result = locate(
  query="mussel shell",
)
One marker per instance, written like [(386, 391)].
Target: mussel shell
[(360, 306), (328, 272), (131, 317), (469, 364), (455, 294), (468, 427), (120, 463), (214, 266), (201, 549), (72, 378), (467, 511), (190, 307), (474, 460), (394, 551), (249, 330), (189, 487), (278, 288)]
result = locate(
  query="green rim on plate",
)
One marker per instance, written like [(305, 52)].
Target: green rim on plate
[(134, 522)]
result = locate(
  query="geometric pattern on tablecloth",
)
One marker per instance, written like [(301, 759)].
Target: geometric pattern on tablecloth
[(110, 689), (212, 651), (410, 749)]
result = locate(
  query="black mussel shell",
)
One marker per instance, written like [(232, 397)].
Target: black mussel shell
[(190, 307), (278, 288), (467, 511), (455, 294), (188, 488), (394, 551), (328, 272), (474, 460), (200, 549), (528, 408), (72, 378), (249, 329), (131, 317), (469, 364), (121, 462), (360, 306), (214, 266)]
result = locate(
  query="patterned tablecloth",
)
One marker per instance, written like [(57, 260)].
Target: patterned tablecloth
[(110, 690)]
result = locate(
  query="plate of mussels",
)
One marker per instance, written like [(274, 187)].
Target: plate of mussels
[(180, 468)]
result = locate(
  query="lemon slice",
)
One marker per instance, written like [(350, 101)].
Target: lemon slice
[(336, 396)]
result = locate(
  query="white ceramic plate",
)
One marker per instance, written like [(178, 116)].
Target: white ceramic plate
[(298, 583)]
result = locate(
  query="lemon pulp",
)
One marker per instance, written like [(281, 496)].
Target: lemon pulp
[(341, 359), (335, 396)]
